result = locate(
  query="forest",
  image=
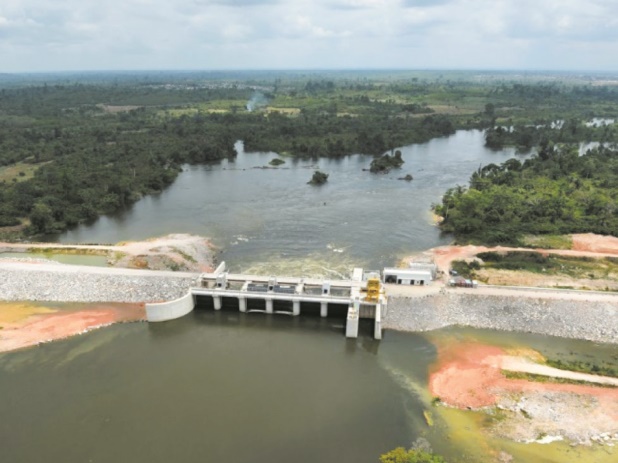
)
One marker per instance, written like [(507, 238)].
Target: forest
[(73, 147), (556, 192)]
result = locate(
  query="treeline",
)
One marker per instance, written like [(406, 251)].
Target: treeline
[(91, 169), (525, 137), (556, 192), (316, 133)]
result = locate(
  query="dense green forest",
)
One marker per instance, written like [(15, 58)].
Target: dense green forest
[(556, 192), (73, 147)]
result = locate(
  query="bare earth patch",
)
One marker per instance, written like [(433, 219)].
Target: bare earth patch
[(584, 245), (595, 243), (469, 376), (25, 325)]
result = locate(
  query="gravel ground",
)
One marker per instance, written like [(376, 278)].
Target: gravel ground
[(594, 318), (43, 281)]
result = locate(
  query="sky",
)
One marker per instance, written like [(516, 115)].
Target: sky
[(72, 35)]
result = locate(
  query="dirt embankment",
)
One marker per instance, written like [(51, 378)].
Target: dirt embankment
[(28, 324), (470, 376), (179, 252)]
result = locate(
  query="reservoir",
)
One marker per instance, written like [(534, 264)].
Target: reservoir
[(271, 221)]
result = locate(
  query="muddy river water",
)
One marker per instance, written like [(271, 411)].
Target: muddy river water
[(245, 388)]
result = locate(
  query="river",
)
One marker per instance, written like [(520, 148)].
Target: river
[(272, 221), (244, 388)]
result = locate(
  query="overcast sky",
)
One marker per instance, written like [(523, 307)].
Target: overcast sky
[(54, 35)]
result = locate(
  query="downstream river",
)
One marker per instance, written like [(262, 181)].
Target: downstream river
[(271, 220), (247, 388)]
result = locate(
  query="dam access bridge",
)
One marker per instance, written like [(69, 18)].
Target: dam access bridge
[(360, 297)]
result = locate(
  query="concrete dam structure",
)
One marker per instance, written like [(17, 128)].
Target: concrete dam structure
[(361, 297)]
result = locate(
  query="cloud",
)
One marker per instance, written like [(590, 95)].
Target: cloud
[(425, 3), (115, 34)]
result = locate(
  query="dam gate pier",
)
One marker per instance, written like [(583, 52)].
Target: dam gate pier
[(362, 295)]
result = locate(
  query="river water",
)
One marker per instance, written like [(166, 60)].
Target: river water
[(243, 388), (272, 221), (248, 387)]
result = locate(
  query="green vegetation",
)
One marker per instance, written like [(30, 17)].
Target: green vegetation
[(557, 192), (187, 257), (74, 147), (401, 455), (550, 379), (71, 150), (549, 264), (466, 269), (385, 163), (319, 178), (548, 241), (583, 367), (276, 162)]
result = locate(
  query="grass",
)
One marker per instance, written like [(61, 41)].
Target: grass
[(71, 251), (550, 379), (282, 110), (18, 172), (548, 241), (186, 256), (574, 267), (583, 367)]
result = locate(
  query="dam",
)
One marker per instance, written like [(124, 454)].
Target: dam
[(362, 297)]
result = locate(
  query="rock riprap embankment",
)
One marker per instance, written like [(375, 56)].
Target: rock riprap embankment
[(594, 319), (67, 283)]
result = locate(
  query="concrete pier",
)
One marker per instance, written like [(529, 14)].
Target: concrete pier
[(324, 309), (351, 293), (351, 327)]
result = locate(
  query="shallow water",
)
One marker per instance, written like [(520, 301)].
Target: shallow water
[(72, 259)]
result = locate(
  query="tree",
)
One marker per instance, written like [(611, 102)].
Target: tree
[(401, 455), (41, 217), (319, 178)]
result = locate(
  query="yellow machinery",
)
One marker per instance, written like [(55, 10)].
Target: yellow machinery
[(373, 290)]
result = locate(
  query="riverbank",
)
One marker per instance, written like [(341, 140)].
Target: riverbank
[(471, 376)]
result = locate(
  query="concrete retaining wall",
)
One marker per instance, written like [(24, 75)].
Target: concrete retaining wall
[(170, 310)]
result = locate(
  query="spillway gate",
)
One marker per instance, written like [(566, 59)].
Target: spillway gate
[(222, 284)]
